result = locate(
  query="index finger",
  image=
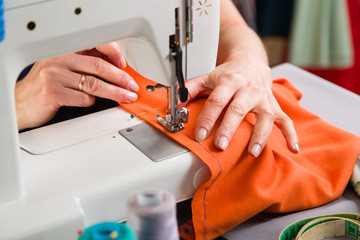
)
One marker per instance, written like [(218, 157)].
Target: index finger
[(114, 53), (213, 107), (100, 68)]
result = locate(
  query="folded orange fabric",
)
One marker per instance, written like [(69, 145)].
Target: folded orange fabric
[(240, 186)]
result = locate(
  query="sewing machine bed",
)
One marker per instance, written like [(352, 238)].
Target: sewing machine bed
[(335, 105), (101, 192)]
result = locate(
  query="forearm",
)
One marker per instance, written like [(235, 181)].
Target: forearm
[(236, 38)]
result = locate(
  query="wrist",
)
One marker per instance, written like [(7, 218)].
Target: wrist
[(245, 55), (19, 105)]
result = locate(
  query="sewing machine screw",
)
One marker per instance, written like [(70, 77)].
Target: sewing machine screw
[(31, 25), (77, 10), (129, 129)]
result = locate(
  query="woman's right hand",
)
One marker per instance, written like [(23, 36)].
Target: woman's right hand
[(72, 80)]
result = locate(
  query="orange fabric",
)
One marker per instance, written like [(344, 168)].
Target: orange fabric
[(240, 185)]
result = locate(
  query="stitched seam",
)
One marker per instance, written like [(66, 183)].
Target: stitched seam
[(217, 160)]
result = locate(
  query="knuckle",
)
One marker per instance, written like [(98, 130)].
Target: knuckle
[(98, 66), (290, 121), (227, 131), (124, 78), (206, 121), (230, 76), (47, 73), (217, 101), (92, 84), (285, 119), (238, 109), (119, 95), (258, 90), (269, 115), (235, 79)]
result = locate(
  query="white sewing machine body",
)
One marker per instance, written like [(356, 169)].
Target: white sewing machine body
[(80, 172)]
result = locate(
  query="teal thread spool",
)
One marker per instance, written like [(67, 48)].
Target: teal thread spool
[(108, 231)]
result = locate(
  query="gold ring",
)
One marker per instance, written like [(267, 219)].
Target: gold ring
[(81, 83)]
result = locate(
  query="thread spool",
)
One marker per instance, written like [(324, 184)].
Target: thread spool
[(107, 231), (152, 215)]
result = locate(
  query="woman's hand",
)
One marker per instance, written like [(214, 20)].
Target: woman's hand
[(59, 81), (241, 80), (244, 83)]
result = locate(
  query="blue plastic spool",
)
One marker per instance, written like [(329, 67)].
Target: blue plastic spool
[(108, 231), (2, 22)]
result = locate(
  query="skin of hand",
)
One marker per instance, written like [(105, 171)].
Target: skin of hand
[(54, 82), (242, 80)]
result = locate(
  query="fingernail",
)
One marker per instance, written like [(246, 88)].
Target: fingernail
[(133, 86), (201, 135), (131, 96), (122, 62), (223, 143), (296, 146), (255, 150)]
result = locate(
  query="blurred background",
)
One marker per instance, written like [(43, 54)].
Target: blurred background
[(320, 36)]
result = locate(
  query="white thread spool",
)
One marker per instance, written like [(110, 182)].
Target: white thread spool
[(152, 215)]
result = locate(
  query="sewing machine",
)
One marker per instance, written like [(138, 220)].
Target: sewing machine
[(76, 173), (79, 172)]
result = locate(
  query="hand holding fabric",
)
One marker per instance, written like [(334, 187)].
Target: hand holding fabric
[(72, 80), (240, 85)]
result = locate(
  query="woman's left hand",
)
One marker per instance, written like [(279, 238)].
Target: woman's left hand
[(243, 83)]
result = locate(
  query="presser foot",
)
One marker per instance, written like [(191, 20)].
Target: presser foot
[(168, 126), (181, 116)]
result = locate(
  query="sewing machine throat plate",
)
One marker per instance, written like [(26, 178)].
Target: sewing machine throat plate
[(151, 142)]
